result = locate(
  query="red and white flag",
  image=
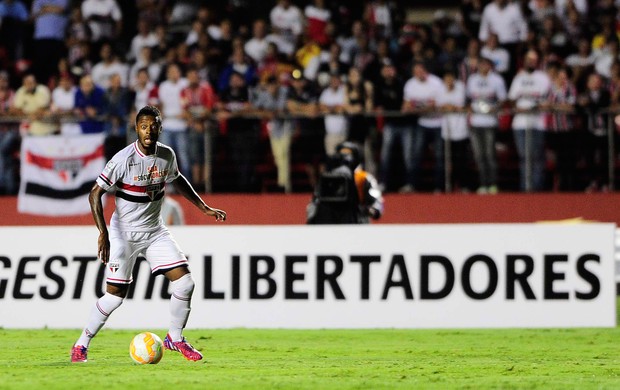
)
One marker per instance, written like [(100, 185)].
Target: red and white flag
[(58, 172)]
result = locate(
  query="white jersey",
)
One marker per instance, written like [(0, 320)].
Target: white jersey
[(453, 126), (139, 185), (528, 90), (172, 106), (485, 93), (64, 101), (507, 22), (289, 21), (423, 94), (499, 56), (334, 123), (102, 72)]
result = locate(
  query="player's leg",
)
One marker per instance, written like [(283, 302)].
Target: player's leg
[(104, 306), (182, 285), (165, 256), (118, 278)]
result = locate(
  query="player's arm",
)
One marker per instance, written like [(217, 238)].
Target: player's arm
[(184, 188), (96, 208)]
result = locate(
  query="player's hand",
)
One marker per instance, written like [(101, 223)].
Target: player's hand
[(103, 244), (220, 215)]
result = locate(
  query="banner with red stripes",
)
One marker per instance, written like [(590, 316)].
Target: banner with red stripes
[(58, 172)]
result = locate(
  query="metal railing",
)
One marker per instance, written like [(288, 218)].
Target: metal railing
[(448, 173)]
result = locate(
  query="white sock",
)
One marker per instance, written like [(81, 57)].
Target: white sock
[(98, 316), (180, 302)]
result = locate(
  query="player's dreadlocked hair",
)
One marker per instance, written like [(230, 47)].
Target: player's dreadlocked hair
[(149, 111)]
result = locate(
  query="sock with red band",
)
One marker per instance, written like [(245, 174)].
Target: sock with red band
[(98, 316), (180, 303)]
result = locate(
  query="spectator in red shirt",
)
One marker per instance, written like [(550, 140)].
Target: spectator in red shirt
[(317, 16), (199, 99)]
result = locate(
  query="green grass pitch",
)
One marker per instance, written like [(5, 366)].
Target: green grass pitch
[(322, 359)]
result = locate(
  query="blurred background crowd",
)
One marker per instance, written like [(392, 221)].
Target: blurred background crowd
[(441, 96)]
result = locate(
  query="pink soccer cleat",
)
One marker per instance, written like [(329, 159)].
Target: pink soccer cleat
[(79, 354), (186, 349)]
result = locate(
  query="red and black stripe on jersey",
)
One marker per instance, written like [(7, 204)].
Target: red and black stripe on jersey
[(152, 192), (105, 179)]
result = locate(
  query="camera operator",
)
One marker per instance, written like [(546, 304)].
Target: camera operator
[(345, 194)]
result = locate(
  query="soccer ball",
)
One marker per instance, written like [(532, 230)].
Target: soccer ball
[(146, 348)]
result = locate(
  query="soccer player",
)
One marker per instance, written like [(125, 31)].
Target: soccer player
[(138, 175)]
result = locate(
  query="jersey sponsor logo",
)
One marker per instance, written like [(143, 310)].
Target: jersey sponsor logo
[(152, 173)]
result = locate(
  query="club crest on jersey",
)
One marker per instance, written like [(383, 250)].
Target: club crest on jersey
[(152, 190), (114, 266)]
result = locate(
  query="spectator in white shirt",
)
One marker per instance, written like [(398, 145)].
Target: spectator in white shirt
[(104, 18), (497, 54), (256, 47), (63, 103), (173, 110), (454, 130), (145, 61), (145, 94), (605, 57), (505, 19), (107, 67), (420, 96), (486, 91), (144, 38), (332, 103), (287, 21), (144, 90), (528, 91)]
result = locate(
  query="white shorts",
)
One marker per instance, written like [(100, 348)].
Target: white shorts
[(161, 251)]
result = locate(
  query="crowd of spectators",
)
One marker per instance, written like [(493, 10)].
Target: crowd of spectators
[(307, 75)]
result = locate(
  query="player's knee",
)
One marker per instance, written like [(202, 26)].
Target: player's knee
[(117, 290), (184, 286)]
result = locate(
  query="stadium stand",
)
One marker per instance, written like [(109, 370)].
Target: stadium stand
[(238, 48)]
